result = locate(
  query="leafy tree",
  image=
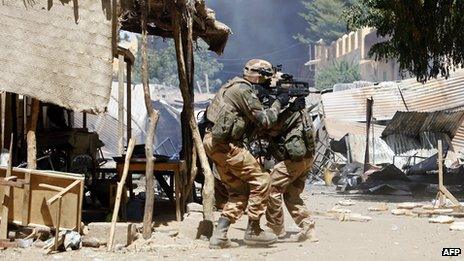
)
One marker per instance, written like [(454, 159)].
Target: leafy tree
[(425, 36), (324, 18), (163, 64), (338, 72)]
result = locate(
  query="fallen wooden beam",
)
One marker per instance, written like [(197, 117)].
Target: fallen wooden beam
[(62, 192)]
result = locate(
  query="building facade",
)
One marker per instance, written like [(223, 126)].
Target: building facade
[(354, 48)]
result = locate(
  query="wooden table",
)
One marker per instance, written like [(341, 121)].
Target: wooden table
[(137, 165)]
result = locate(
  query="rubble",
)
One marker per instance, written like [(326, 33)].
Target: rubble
[(379, 207), (401, 212), (353, 217), (125, 233), (457, 226), (441, 219), (409, 205)]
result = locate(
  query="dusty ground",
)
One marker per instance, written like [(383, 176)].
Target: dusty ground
[(385, 237)]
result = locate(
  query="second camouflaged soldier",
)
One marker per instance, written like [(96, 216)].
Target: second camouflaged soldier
[(236, 111), (292, 144)]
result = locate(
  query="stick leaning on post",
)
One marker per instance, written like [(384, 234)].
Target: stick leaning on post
[(121, 183)]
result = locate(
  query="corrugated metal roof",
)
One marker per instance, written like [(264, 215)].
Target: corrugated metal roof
[(421, 130), (435, 95), (413, 123), (338, 129)]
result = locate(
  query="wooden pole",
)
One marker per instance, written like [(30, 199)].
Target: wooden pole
[(153, 120), (207, 83), (3, 117), (129, 102), (31, 158), (117, 201), (208, 189), (6, 196), (121, 70), (441, 197), (369, 103), (57, 226)]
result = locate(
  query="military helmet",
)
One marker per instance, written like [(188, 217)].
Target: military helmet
[(254, 70)]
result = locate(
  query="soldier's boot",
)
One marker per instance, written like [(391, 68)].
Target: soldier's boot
[(279, 231), (219, 238), (255, 236), (308, 232)]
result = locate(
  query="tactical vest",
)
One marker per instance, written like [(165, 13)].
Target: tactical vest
[(296, 139), (229, 124)]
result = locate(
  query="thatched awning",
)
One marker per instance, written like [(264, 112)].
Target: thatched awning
[(205, 25)]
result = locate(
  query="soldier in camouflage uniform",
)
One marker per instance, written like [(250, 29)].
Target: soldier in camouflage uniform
[(293, 146), (236, 111)]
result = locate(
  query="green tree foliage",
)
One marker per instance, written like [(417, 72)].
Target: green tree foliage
[(163, 64), (325, 20), (338, 72), (425, 36)]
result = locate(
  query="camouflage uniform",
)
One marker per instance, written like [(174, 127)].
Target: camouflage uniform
[(288, 178), (240, 172)]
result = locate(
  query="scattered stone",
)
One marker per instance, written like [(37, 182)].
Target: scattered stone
[(193, 226), (379, 207), (409, 205), (194, 207), (124, 233), (441, 219), (72, 240), (457, 226), (401, 212), (354, 217), (346, 203), (394, 227)]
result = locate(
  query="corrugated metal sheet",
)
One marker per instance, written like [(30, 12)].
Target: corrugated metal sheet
[(414, 123), (439, 94), (338, 129), (350, 105)]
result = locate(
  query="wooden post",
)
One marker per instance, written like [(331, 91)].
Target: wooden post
[(369, 103), (117, 201), (441, 196), (31, 158), (208, 189), (3, 111), (57, 225), (443, 192), (199, 87), (6, 196), (129, 102), (121, 104), (207, 83), (153, 120)]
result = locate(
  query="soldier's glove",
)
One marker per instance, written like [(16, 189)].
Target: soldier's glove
[(298, 104), (283, 98)]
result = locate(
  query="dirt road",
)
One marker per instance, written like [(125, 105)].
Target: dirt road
[(385, 237)]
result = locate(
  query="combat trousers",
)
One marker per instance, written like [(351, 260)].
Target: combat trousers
[(240, 172), (288, 180)]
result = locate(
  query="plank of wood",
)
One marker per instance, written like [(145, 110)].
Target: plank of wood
[(58, 222), (117, 202), (6, 196), (31, 158), (62, 192), (48, 186), (12, 183)]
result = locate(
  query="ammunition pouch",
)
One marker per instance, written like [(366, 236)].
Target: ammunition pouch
[(228, 127), (295, 145)]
